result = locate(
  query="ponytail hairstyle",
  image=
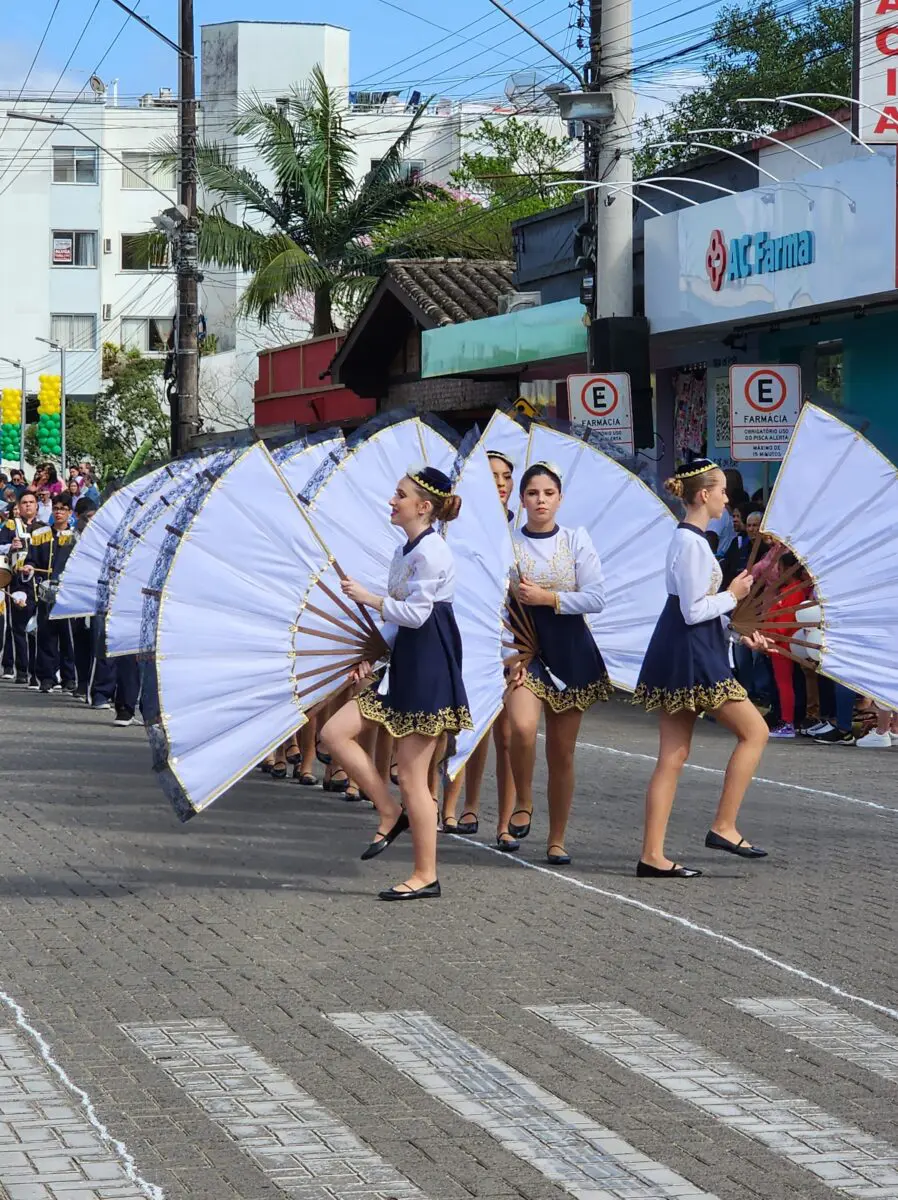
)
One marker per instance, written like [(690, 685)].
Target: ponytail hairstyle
[(436, 487), (540, 468), (690, 479)]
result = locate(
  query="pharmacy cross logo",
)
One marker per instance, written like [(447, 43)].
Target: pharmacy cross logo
[(716, 259)]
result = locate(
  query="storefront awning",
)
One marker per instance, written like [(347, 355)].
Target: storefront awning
[(530, 336)]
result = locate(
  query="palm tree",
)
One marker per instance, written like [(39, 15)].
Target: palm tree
[(307, 224)]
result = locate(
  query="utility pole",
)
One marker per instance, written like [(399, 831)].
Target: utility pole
[(185, 418), (609, 156)]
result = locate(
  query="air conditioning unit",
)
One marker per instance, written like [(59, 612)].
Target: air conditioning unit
[(512, 302), (107, 245), (107, 312)]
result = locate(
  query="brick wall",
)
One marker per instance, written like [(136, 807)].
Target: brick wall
[(444, 395)]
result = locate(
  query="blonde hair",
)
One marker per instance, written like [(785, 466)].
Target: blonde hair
[(687, 485)]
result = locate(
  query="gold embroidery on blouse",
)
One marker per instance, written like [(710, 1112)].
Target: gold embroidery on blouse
[(558, 574)]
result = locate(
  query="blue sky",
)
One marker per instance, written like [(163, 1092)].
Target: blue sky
[(389, 48)]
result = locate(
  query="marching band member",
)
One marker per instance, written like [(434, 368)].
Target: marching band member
[(687, 671), (503, 475), (560, 582), (47, 555), (422, 696), (16, 538)]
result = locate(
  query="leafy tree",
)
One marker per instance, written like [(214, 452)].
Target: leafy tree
[(309, 229), (510, 174), (757, 52), (127, 419)]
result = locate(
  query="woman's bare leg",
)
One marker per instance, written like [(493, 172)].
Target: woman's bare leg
[(504, 777), (743, 719), (673, 751), (340, 738), (561, 742), (524, 711), (414, 755)]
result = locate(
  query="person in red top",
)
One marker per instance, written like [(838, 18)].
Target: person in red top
[(792, 592)]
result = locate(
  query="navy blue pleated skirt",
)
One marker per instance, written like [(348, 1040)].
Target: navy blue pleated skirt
[(425, 691), (567, 656), (686, 666)]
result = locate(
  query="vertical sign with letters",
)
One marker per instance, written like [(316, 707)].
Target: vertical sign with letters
[(876, 66), (764, 404)]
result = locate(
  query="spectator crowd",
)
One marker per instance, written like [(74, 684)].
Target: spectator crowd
[(40, 524)]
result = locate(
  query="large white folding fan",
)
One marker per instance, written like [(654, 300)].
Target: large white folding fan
[(835, 505), (140, 546), (300, 460), (631, 531), (79, 585), (251, 630), (480, 540)]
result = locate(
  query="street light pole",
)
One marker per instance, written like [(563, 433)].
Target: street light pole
[(186, 423), (20, 366), (61, 351)]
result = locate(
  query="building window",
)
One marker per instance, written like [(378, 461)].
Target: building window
[(828, 363), (137, 254), (74, 164), (74, 332), (137, 164), (412, 168), (149, 334), (73, 248)]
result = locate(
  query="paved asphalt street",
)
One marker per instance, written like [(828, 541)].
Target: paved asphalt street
[(220, 1009)]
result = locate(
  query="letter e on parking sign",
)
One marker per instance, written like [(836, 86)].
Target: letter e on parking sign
[(764, 404), (603, 403)]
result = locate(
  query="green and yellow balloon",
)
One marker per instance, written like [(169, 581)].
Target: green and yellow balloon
[(49, 417), (10, 423)]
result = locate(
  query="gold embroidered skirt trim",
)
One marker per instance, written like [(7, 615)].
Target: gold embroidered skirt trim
[(573, 697), (401, 724), (699, 698)]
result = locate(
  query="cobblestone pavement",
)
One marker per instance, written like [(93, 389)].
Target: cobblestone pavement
[(220, 1010)]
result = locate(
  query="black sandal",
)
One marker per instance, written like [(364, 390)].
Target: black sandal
[(446, 828), (509, 846), (468, 827), (278, 772), (324, 759), (305, 778), (352, 794), (520, 831), (294, 758), (336, 785), (557, 860), (383, 840), (394, 773)]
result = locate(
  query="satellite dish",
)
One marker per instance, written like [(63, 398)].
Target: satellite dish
[(522, 88), (97, 86)]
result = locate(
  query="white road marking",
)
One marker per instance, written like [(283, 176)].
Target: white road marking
[(676, 919), (828, 1028), (839, 1154), (886, 809), (586, 1159), (289, 1136), (48, 1145)]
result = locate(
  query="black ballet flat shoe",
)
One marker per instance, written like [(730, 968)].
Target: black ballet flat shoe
[(715, 842), (430, 891), (324, 759), (557, 860), (382, 840), (520, 831), (507, 844), (278, 772), (645, 871)]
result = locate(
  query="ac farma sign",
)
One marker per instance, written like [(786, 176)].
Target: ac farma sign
[(756, 254)]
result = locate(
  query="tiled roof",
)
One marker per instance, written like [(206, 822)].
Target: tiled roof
[(451, 290)]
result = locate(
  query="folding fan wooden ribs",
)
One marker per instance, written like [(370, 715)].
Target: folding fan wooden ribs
[(755, 613), (359, 641)]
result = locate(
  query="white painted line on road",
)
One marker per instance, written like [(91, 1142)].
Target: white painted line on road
[(48, 1146), (283, 1129), (828, 1028), (676, 919), (795, 787), (586, 1159), (839, 1154)]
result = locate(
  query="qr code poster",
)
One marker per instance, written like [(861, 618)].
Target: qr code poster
[(722, 411)]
